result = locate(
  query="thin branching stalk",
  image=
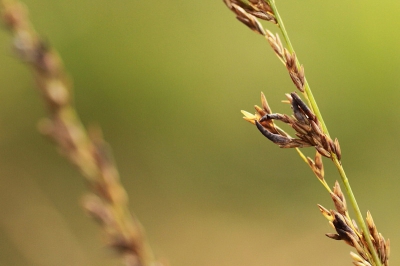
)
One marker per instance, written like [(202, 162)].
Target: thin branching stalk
[(107, 202)]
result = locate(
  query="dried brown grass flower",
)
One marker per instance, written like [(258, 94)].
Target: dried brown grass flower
[(306, 125), (107, 202), (348, 231)]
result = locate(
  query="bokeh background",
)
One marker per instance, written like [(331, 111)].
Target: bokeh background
[(166, 81)]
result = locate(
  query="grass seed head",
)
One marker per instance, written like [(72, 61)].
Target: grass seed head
[(306, 125), (247, 13)]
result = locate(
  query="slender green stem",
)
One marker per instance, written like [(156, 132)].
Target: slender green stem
[(314, 106)]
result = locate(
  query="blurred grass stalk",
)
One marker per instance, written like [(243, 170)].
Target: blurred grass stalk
[(107, 202), (311, 131)]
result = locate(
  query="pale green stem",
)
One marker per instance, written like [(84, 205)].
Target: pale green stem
[(314, 106)]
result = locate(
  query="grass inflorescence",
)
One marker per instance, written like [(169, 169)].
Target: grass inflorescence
[(310, 131), (107, 201)]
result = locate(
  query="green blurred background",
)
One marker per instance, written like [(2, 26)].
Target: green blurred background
[(166, 81)]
